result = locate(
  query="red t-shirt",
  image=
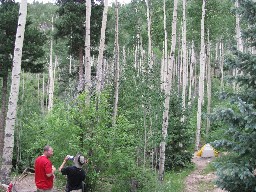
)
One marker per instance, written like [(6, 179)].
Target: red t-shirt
[(43, 166)]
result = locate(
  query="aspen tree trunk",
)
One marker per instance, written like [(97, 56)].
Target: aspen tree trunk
[(80, 86), (194, 81), (216, 60), (145, 136), (142, 57), (116, 83), (54, 72), (184, 58), (38, 88), (209, 85), (87, 76), (13, 99), (101, 48), (167, 95), (70, 64), (50, 100), (43, 91), (165, 72), (150, 61), (201, 80), (104, 72), (239, 41), (238, 30), (180, 55), (221, 60), (191, 74)]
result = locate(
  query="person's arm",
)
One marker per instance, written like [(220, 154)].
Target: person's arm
[(52, 173), (63, 163)]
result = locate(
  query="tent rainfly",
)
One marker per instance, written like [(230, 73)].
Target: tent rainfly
[(207, 151)]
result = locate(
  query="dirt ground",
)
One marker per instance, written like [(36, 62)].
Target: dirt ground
[(198, 181)]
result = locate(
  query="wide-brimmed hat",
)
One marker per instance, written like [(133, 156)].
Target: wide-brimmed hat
[(79, 160)]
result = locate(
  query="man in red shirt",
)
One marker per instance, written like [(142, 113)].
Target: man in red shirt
[(44, 171)]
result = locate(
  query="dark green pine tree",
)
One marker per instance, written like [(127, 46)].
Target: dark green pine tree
[(236, 170), (71, 26), (178, 150)]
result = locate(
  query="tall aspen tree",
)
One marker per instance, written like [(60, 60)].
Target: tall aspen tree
[(50, 69), (201, 80), (150, 61), (70, 64), (54, 71), (167, 94), (80, 86), (101, 48), (116, 70), (43, 92), (165, 49), (191, 74), (162, 75), (221, 61), (38, 87), (184, 57), (87, 74), (239, 41), (209, 84), (14, 94), (238, 30)]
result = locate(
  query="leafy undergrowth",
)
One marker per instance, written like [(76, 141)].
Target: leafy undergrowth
[(174, 181)]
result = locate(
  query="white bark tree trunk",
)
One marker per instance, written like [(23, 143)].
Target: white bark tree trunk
[(221, 60), (14, 93), (101, 48), (209, 85), (116, 83), (184, 58), (239, 42), (56, 63), (165, 50), (87, 76), (150, 61), (50, 69), (201, 80), (167, 94), (191, 74), (238, 30)]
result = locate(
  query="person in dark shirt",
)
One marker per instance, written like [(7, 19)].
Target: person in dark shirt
[(75, 174)]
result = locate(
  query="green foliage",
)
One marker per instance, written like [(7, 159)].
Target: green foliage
[(174, 180), (33, 40), (178, 150), (71, 24), (119, 156), (77, 127), (235, 172)]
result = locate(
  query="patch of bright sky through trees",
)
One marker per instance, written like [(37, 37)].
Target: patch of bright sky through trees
[(53, 1)]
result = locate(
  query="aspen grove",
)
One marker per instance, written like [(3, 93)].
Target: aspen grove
[(136, 87)]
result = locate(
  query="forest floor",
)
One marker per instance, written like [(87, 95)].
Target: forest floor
[(201, 180)]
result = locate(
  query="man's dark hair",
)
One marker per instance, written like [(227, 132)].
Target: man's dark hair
[(47, 147)]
